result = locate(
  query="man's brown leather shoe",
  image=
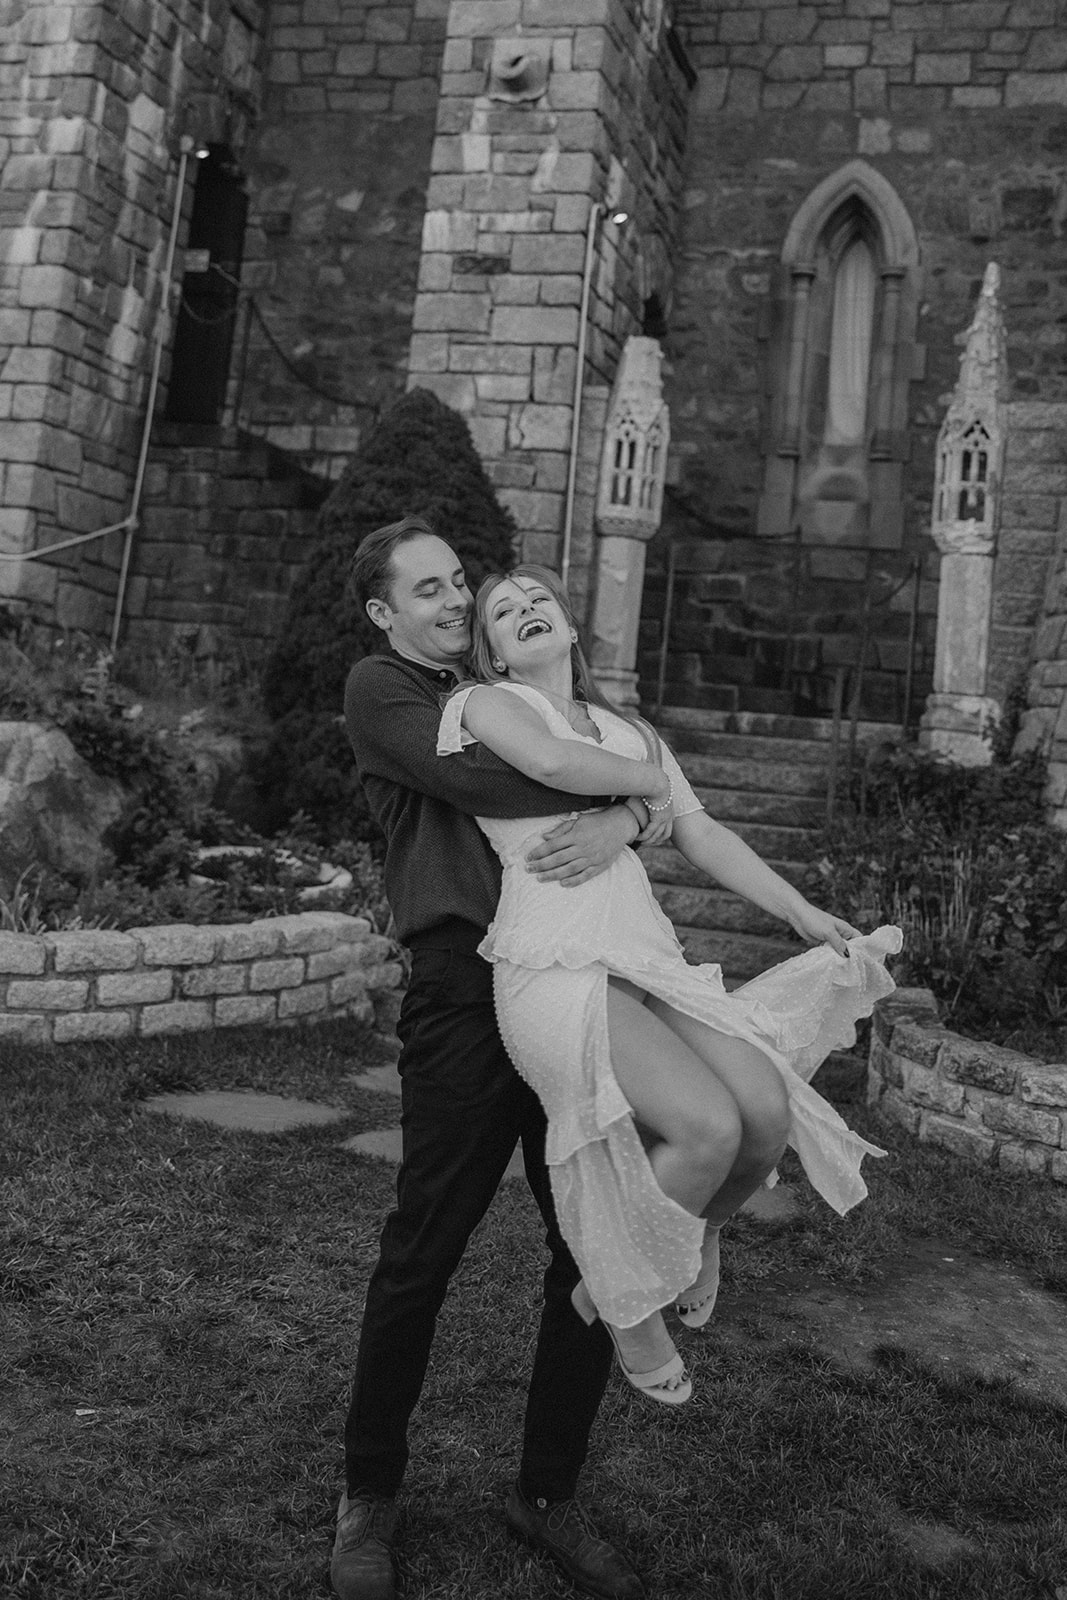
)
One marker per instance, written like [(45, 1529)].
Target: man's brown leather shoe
[(362, 1565), (561, 1529)]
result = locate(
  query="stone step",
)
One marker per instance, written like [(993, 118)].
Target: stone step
[(741, 955), (772, 776), (753, 749), (734, 806), (777, 841), (664, 864), (715, 908), (771, 725)]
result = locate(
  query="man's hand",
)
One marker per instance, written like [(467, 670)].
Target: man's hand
[(820, 927), (582, 847)]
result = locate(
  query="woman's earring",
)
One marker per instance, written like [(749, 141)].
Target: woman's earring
[(499, 666), (574, 637)]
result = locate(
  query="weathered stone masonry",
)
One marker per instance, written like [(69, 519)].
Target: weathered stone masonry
[(988, 1104), (95, 99), (963, 108), (101, 984)]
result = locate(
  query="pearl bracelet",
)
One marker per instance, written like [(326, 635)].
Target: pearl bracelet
[(667, 803)]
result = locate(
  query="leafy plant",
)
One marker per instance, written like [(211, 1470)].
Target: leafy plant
[(963, 861), (420, 460)]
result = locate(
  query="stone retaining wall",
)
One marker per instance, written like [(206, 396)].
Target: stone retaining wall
[(101, 984), (989, 1104)]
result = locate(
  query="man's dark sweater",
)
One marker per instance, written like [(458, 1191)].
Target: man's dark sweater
[(439, 866)]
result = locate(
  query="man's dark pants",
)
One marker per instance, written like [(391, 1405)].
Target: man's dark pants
[(464, 1107)]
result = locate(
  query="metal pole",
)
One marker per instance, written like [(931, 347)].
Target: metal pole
[(576, 410), (913, 625), (162, 330), (665, 633)]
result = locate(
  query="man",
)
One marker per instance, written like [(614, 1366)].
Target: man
[(463, 1105)]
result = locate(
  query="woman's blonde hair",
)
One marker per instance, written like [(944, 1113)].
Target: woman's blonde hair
[(584, 687)]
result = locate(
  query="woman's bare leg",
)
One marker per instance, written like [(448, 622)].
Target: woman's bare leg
[(690, 1111), (759, 1097)]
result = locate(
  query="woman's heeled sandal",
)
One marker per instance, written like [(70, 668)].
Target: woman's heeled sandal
[(695, 1306), (653, 1385)]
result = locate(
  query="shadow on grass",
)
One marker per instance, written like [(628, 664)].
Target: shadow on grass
[(181, 1308)]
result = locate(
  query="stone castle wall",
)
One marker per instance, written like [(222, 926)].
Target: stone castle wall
[(963, 109), (226, 524), (96, 98), (337, 178)]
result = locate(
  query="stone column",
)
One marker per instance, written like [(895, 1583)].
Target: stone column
[(970, 450), (628, 512), (535, 126)]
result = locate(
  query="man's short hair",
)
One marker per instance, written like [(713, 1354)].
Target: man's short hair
[(371, 572)]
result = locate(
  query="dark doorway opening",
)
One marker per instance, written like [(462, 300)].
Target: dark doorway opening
[(200, 363)]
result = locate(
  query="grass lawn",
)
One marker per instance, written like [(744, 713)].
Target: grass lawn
[(180, 1312)]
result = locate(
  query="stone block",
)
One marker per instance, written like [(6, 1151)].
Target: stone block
[(986, 1066), (490, 358), (460, 313), (1025, 1159), (565, 13), (245, 941), (576, 91), (228, 977), (177, 945), (502, 386), (972, 1143), (134, 988), (556, 252), (1057, 1169), (483, 18), (1009, 1116), (516, 291), (488, 435), (319, 930), (93, 950), (802, 62), (897, 1109), (348, 986), (285, 973), (246, 1010), (21, 955), (533, 325), (1035, 89), (885, 1064), (1044, 1084), (179, 1016), (93, 1025), (918, 1042), (303, 1002), (47, 994), (29, 1028), (541, 427), (329, 963), (925, 1087)]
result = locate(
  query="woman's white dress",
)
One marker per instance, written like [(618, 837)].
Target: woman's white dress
[(553, 950)]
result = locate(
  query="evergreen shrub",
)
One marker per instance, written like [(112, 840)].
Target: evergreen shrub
[(419, 461)]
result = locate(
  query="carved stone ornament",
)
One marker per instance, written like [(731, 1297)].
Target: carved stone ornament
[(634, 463), (970, 446), (518, 69)]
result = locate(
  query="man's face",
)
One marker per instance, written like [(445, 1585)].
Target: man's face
[(427, 614)]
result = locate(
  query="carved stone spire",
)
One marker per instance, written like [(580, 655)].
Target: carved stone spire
[(970, 445)]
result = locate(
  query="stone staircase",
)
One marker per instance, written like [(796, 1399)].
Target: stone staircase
[(765, 776)]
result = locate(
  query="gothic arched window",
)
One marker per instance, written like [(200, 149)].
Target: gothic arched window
[(840, 365)]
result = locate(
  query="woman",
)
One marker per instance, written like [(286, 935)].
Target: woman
[(601, 1013)]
